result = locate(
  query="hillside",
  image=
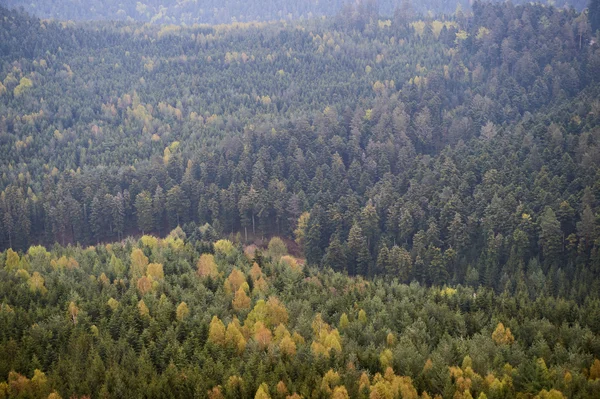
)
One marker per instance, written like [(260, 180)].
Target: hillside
[(353, 206), (166, 318), (191, 12), (461, 151)]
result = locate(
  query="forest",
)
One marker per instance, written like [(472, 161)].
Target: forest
[(380, 203), (190, 317), (191, 12)]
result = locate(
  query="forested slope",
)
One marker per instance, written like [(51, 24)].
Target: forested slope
[(226, 11), (168, 318), (462, 150), (436, 181)]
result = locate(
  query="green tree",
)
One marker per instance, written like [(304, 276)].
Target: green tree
[(400, 264), (143, 209), (178, 206), (551, 236), (384, 264), (118, 214), (369, 223), (335, 256), (358, 251), (158, 208), (314, 237)]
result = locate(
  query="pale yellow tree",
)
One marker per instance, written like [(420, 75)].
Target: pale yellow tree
[(207, 266), (182, 311)]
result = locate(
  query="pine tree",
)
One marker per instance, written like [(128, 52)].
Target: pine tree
[(383, 260), (458, 235), (586, 229), (358, 250), (248, 207), (420, 272), (158, 208), (96, 220), (118, 214), (369, 222), (313, 240), (143, 208), (406, 225), (335, 256), (438, 274), (551, 237), (400, 264), (178, 206)]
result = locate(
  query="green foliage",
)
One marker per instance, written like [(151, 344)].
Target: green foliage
[(426, 178), (277, 248), (442, 341), (24, 84), (439, 176)]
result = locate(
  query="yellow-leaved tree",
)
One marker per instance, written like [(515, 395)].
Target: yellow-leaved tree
[(182, 311), (329, 381), (300, 231), (386, 359), (207, 266), (224, 247), (143, 309), (344, 322), (276, 312), (234, 281), (139, 263), (270, 313), (340, 393), (325, 339), (155, 271), (262, 392), (36, 283), (234, 338), (281, 389), (215, 393), (595, 370), (255, 272), (287, 346), (24, 84), (113, 304), (216, 332), (502, 335), (262, 335), (12, 260), (241, 300), (144, 285), (73, 311)]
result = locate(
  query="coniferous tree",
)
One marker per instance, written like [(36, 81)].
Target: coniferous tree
[(358, 251), (158, 208), (178, 206), (551, 236), (143, 209), (335, 256)]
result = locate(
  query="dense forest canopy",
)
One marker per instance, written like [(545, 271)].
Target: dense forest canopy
[(434, 179), (226, 11), (181, 317), (462, 149)]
